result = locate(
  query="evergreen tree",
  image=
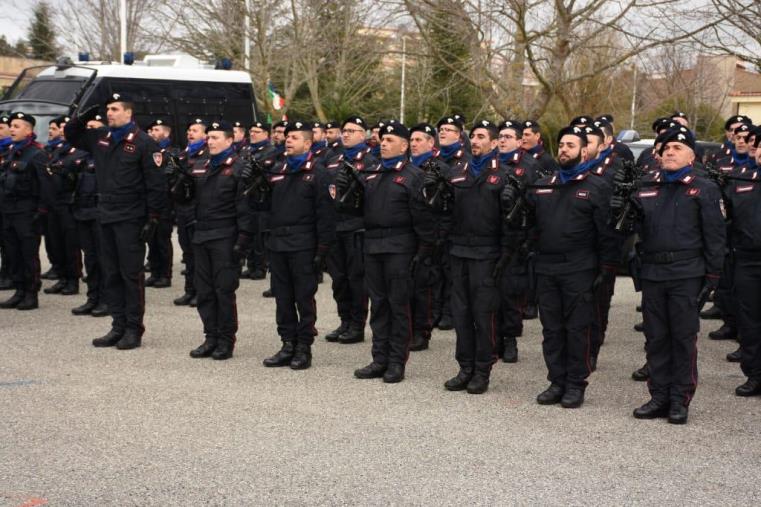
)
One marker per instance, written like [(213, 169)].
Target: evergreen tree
[(41, 35)]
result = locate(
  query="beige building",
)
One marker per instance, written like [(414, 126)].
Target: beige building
[(11, 67)]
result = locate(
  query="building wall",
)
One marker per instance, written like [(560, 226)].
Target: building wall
[(11, 67)]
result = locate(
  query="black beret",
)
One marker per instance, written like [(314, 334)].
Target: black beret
[(662, 123), (594, 130), (18, 115), (281, 123), (515, 125), (756, 134), (220, 125), (5, 119), (460, 117), (332, 124), (571, 130), (450, 120), (602, 125), (355, 120), (660, 137), (605, 117), (740, 118), (318, 125), (260, 125), (532, 124), (581, 120), (678, 135), (238, 124), (485, 124), (197, 121), (118, 97), (743, 128), (678, 114), (298, 126), (395, 129), (158, 122), (58, 120), (98, 117), (425, 128)]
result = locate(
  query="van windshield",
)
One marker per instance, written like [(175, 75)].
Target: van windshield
[(53, 90)]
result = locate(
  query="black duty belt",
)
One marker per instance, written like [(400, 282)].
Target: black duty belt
[(669, 257), (565, 257), (208, 225), (473, 240), (119, 198), (387, 232), (287, 230)]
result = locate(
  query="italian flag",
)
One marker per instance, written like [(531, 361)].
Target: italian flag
[(278, 102)]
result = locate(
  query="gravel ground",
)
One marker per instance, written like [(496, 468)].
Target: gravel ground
[(87, 426)]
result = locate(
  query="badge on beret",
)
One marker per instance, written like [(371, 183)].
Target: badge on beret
[(332, 191)]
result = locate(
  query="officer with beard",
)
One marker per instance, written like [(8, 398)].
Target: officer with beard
[(576, 251), (532, 143), (260, 149)]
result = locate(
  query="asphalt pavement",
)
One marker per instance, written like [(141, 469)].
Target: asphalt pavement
[(87, 426)]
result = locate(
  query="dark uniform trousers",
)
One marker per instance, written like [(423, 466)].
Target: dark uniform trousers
[(217, 275), (389, 287), (346, 268), (64, 241), (672, 323), (122, 259), (475, 307), (725, 294), (22, 244), (602, 296), (3, 253), (90, 240), (294, 283), (425, 279), (514, 287), (566, 309), (160, 251), (748, 289), (443, 288), (185, 227)]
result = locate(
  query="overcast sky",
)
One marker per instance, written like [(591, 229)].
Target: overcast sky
[(14, 19)]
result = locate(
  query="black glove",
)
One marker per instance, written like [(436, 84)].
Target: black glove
[(149, 229), (509, 197), (604, 278), (617, 202), (710, 283), (430, 180), (40, 222), (88, 113), (241, 247), (343, 182), (502, 263), (423, 252), (319, 259)]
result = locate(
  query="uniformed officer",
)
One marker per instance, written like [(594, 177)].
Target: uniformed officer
[(399, 236), (132, 196), (63, 166), (333, 134), (576, 251), (278, 138), (260, 149), (374, 141), (160, 251), (428, 275), (24, 202), (240, 137), (85, 212), (222, 236), (532, 143), (728, 145), (682, 235), (54, 144), (194, 155), (515, 282), (301, 232), (5, 143), (319, 148), (478, 256), (345, 260), (743, 198), (452, 152), (623, 151)]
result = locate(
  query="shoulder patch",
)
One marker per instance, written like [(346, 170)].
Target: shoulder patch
[(129, 148), (400, 179), (519, 171), (494, 179), (158, 158), (692, 191)]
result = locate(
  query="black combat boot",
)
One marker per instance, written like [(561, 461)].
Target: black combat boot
[(162, 283), (205, 349), (372, 370), (572, 398), (29, 302), (510, 353), (355, 334), (224, 349), (653, 409), (283, 357), (110, 340), (100, 311), (551, 395), (86, 308), (132, 339), (479, 384), (460, 381), (302, 357), (394, 373), (56, 288), (419, 342), (14, 300), (642, 374), (184, 300), (71, 287), (333, 335)]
